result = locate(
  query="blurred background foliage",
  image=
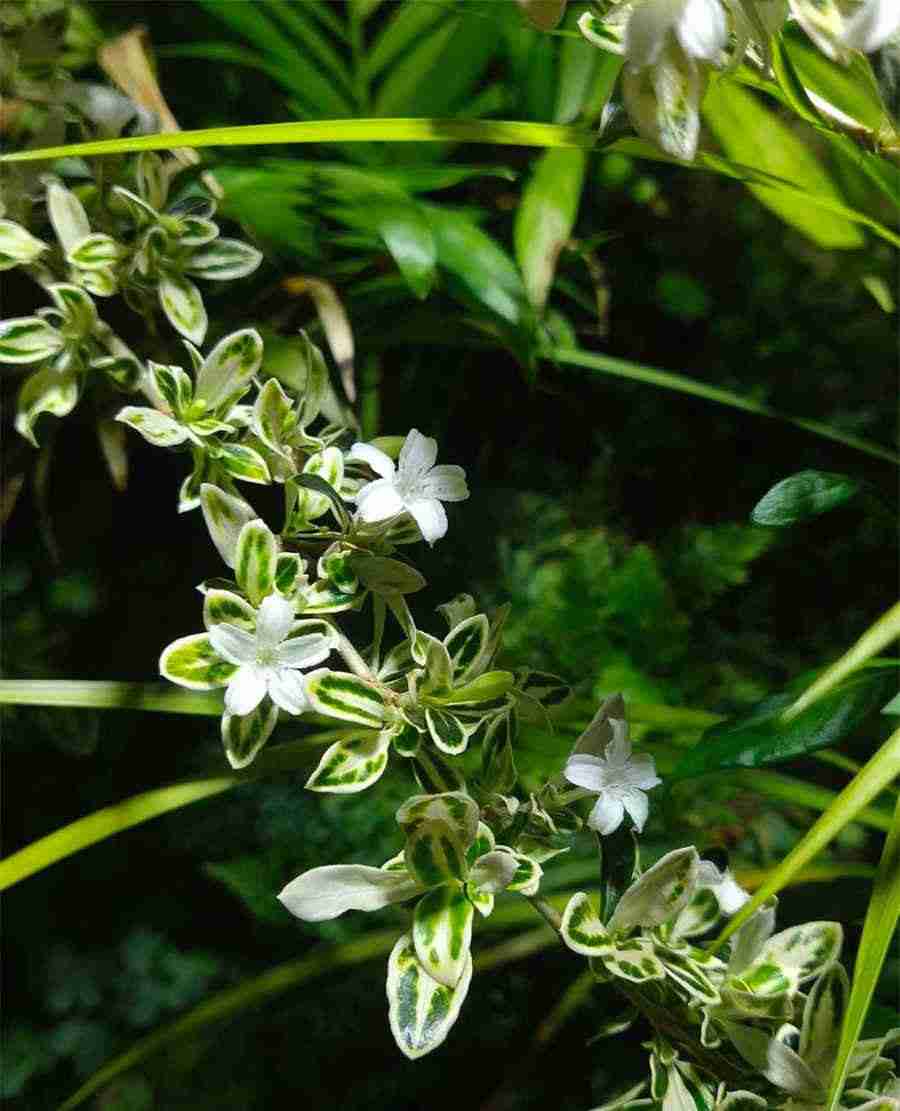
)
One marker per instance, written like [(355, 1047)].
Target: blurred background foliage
[(614, 517)]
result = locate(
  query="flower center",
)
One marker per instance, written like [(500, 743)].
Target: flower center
[(266, 656)]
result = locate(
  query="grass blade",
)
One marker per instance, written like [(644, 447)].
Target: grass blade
[(878, 931), (91, 694)]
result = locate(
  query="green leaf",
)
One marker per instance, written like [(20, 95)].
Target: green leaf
[(803, 495), (544, 14), (223, 260), (244, 735), (228, 369), (225, 515), (255, 560), (850, 87), (467, 644), (448, 732), (749, 133), (421, 1010), (298, 511), (498, 765), (486, 688), (407, 24), (352, 765), (407, 235), (442, 933), (183, 305), (882, 769), (545, 217), (45, 391), (173, 385), (28, 339), (156, 428), (386, 576), (192, 662), (338, 694), (878, 932), (763, 736)]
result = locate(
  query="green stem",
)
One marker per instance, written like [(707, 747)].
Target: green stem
[(94, 694), (353, 659)]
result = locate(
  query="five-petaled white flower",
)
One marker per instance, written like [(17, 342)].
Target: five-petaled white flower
[(415, 485), (728, 892), (619, 777), (268, 661)]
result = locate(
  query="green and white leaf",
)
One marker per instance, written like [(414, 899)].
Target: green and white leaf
[(328, 892), (192, 662), (823, 1018), (156, 428), (182, 303), (454, 808), (67, 216), (582, 927), (79, 311), (338, 694), (351, 765), (448, 732), (152, 179), (28, 339), (421, 1010), (244, 735), (243, 462), (660, 893), (436, 854), (228, 369), (795, 955), (223, 259), (224, 607), (45, 391), (775, 1060), (17, 246), (95, 252), (442, 933), (803, 495), (225, 516), (255, 560), (467, 646), (493, 871)]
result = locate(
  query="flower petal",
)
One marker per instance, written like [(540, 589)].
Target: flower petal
[(730, 894), (378, 500), (417, 455), (246, 690), (286, 690), (640, 772), (586, 771), (607, 814), (647, 28), (429, 515), (274, 620), (446, 482), (618, 750), (635, 802), (233, 644), (304, 651), (702, 29), (374, 457), (870, 25)]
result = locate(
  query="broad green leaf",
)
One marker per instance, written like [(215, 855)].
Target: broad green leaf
[(17, 246), (225, 515), (224, 607), (324, 893), (435, 853), (407, 24), (803, 495), (45, 391), (442, 933), (156, 428), (242, 462), (545, 217), (851, 88), (182, 303), (620, 368), (229, 368), (878, 933), (94, 252), (255, 560), (407, 235), (751, 134), (192, 662), (449, 733), (421, 1011), (582, 927), (244, 735), (386, 576), (352, 765), (762, 736), (660, 893), (338, 694), (28, 339), (882, 769), (467, 645), (486, 688), (223, 260)]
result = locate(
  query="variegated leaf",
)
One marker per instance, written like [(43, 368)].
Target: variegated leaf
[(352, 765), (435, 773), (325, 893), (539, 691), (823, 1017), (101, 282), (273, 416), (224, 607), (123, 200), (457, 610), (192, 662), (582, 928), (775, 1060), (95, 252), (660, 893), (152, 179), (173, 385), (405, 739), (225, 515), (749, 940), (455, 808), (67, 216), (204, 471), (28, 339), (633, 960), (224, 259), (387, 576), (420, 1009), (449, 733), (328, 465), (289, 574), (628, 1100), (498, 766), (229, 368), (686, 1091), (243, 462), (45, 391), (467, 646), (484, 842), (741, 1101), (436, 854), (792, 957), (528, 875), (77, 307), (156, 428), (442, 933), (337, 566), (182, 303), (196, 231), (17, 246), (324, 597), (699, 916), (338, 694), (256, 560), (243, 736), (696, 986), (493, 871)]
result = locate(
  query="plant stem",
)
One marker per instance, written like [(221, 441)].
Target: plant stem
[(547, 911), (353, 659)]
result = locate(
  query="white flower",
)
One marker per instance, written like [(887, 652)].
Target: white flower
[(619, 777), (415, 485), (268, 661), (728, 892), (699, 26)]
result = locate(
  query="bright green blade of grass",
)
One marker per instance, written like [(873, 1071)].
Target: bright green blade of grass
[(90, 694)]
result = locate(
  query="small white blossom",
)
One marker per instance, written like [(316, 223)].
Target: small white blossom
[(415, 485), (268, 661), (728, 892), (619, 778)]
